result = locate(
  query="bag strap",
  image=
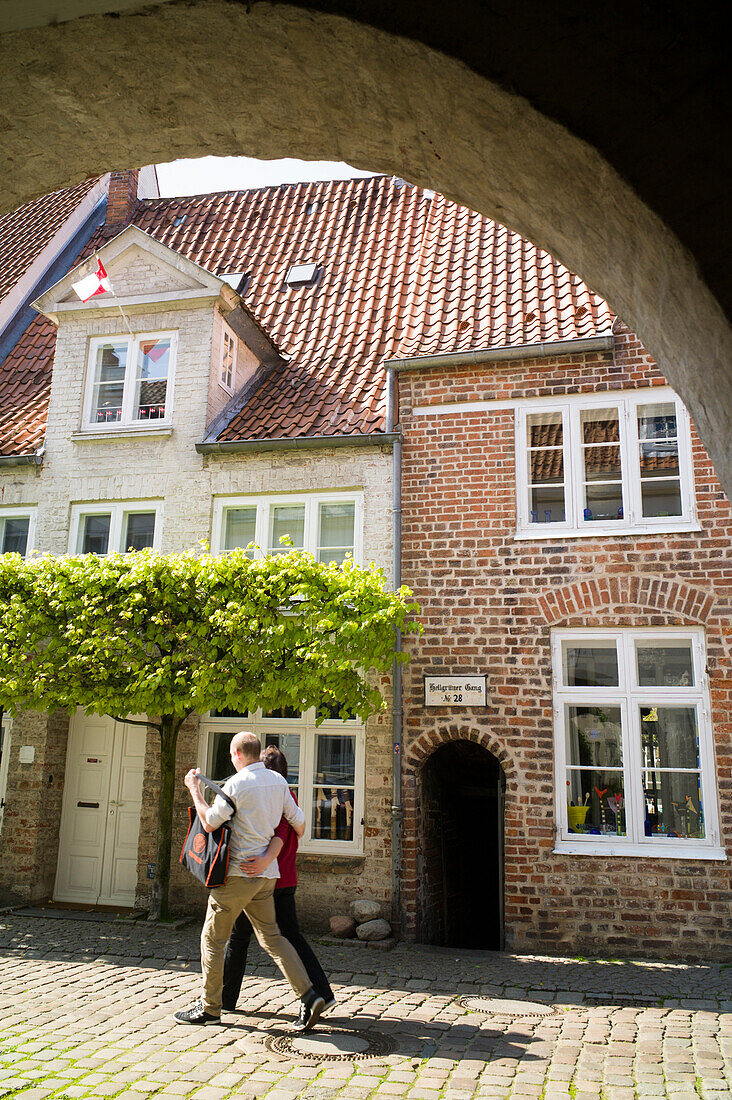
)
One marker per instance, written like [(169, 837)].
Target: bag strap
[(217, 789)]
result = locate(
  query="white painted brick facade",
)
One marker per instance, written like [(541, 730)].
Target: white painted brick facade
[(164, 466)]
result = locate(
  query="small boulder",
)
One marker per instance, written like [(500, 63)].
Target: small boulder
[(343, 927), (363, 910), (374, 930)]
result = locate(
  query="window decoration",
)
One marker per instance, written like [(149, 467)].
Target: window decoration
[(325, 768), (633, 743), (130, 381), (604, 464), (328, 525), (109, 528)]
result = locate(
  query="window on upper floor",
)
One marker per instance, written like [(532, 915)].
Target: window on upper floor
[(328, 525), (17, 529), (325, 768), (604, 464), (110, 528), (228, 360), (634, 759), (129, 381)]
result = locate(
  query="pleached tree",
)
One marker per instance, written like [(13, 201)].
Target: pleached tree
[(166, 636)]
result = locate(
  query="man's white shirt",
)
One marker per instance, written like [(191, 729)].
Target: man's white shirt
[(262, 799)]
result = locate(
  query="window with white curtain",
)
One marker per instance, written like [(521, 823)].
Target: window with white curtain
[(329, 525), (634, 754)]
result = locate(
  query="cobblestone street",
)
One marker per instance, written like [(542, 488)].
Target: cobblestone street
[(86, 1009)]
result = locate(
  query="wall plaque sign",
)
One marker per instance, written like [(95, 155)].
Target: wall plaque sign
[(454, 691)]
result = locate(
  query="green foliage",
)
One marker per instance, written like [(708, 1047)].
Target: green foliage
[(177, 633), (169, 635)]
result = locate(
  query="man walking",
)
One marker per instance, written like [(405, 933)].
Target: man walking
[(262, 799)]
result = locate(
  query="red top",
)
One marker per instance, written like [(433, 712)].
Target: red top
[(286, 858)]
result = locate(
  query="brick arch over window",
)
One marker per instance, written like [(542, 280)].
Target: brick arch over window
[(669, 602)]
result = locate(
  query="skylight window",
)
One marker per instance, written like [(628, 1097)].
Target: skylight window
[(301, 274), (237, 280)]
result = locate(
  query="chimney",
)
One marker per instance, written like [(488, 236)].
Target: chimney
[(121, 200)]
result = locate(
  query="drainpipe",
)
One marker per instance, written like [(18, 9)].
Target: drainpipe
[(396, 800)]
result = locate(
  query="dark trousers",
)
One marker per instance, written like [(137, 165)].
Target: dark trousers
[(235, 955)]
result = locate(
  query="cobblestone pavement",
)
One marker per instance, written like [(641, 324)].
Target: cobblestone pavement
[(86, 1012)]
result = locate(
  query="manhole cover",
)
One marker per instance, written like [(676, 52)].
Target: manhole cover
[(335, 1045), (497, 1006)]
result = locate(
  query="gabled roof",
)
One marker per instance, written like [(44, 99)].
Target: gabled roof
[(400, 272), (187, 280)]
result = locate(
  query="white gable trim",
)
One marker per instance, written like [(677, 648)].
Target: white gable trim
[(208, 286)]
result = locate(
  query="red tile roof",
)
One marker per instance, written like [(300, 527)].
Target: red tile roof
[(401, 272), (25, 232), (25, 387)]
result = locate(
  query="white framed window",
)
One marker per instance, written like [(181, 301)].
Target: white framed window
[(604, 464), (325, 769), (228, 360), (634, 755), (106, 528), (130, 381), (17, 530), (329, 525)]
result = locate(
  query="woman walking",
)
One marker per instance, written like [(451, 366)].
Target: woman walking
[(283, 847)]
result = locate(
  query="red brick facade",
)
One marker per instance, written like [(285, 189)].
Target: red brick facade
[(121, 201), (489, 602)]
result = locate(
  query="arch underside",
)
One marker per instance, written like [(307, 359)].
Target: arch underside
[(99, 93)]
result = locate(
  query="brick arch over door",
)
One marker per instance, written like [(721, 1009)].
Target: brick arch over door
[(631, 601), (93, 94), (415, 758)]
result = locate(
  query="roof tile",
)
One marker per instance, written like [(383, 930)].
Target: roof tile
[(401, 273)]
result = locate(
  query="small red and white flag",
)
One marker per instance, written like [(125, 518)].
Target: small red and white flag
[(96, 283)]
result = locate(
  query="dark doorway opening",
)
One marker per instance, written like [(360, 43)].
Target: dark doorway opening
[(461, 848)]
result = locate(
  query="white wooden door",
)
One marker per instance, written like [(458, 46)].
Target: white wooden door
[(100, 820)]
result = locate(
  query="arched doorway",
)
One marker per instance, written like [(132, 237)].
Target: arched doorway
[(461, 848)]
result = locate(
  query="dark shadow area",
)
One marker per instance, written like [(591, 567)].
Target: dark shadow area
[(461, 848), (428, 970)]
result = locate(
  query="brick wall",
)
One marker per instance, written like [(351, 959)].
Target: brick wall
[(488, 605), (29, 838), (121, 199)]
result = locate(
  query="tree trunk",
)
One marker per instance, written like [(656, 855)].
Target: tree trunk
[(169, 727)]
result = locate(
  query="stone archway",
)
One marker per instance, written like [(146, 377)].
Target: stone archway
[(98, 93), (460, 795)]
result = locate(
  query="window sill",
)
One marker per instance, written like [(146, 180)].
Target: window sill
[(122, 433), (328, 863), (604, 531), (647, 851)]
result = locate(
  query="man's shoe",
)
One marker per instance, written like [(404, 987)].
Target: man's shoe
[(311, 1009), (228, 1007), (196, 1015), (327, 1006)]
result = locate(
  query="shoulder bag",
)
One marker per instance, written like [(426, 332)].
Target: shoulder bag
[(206, 855)]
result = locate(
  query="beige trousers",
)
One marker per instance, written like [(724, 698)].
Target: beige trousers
[(225, 903)]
